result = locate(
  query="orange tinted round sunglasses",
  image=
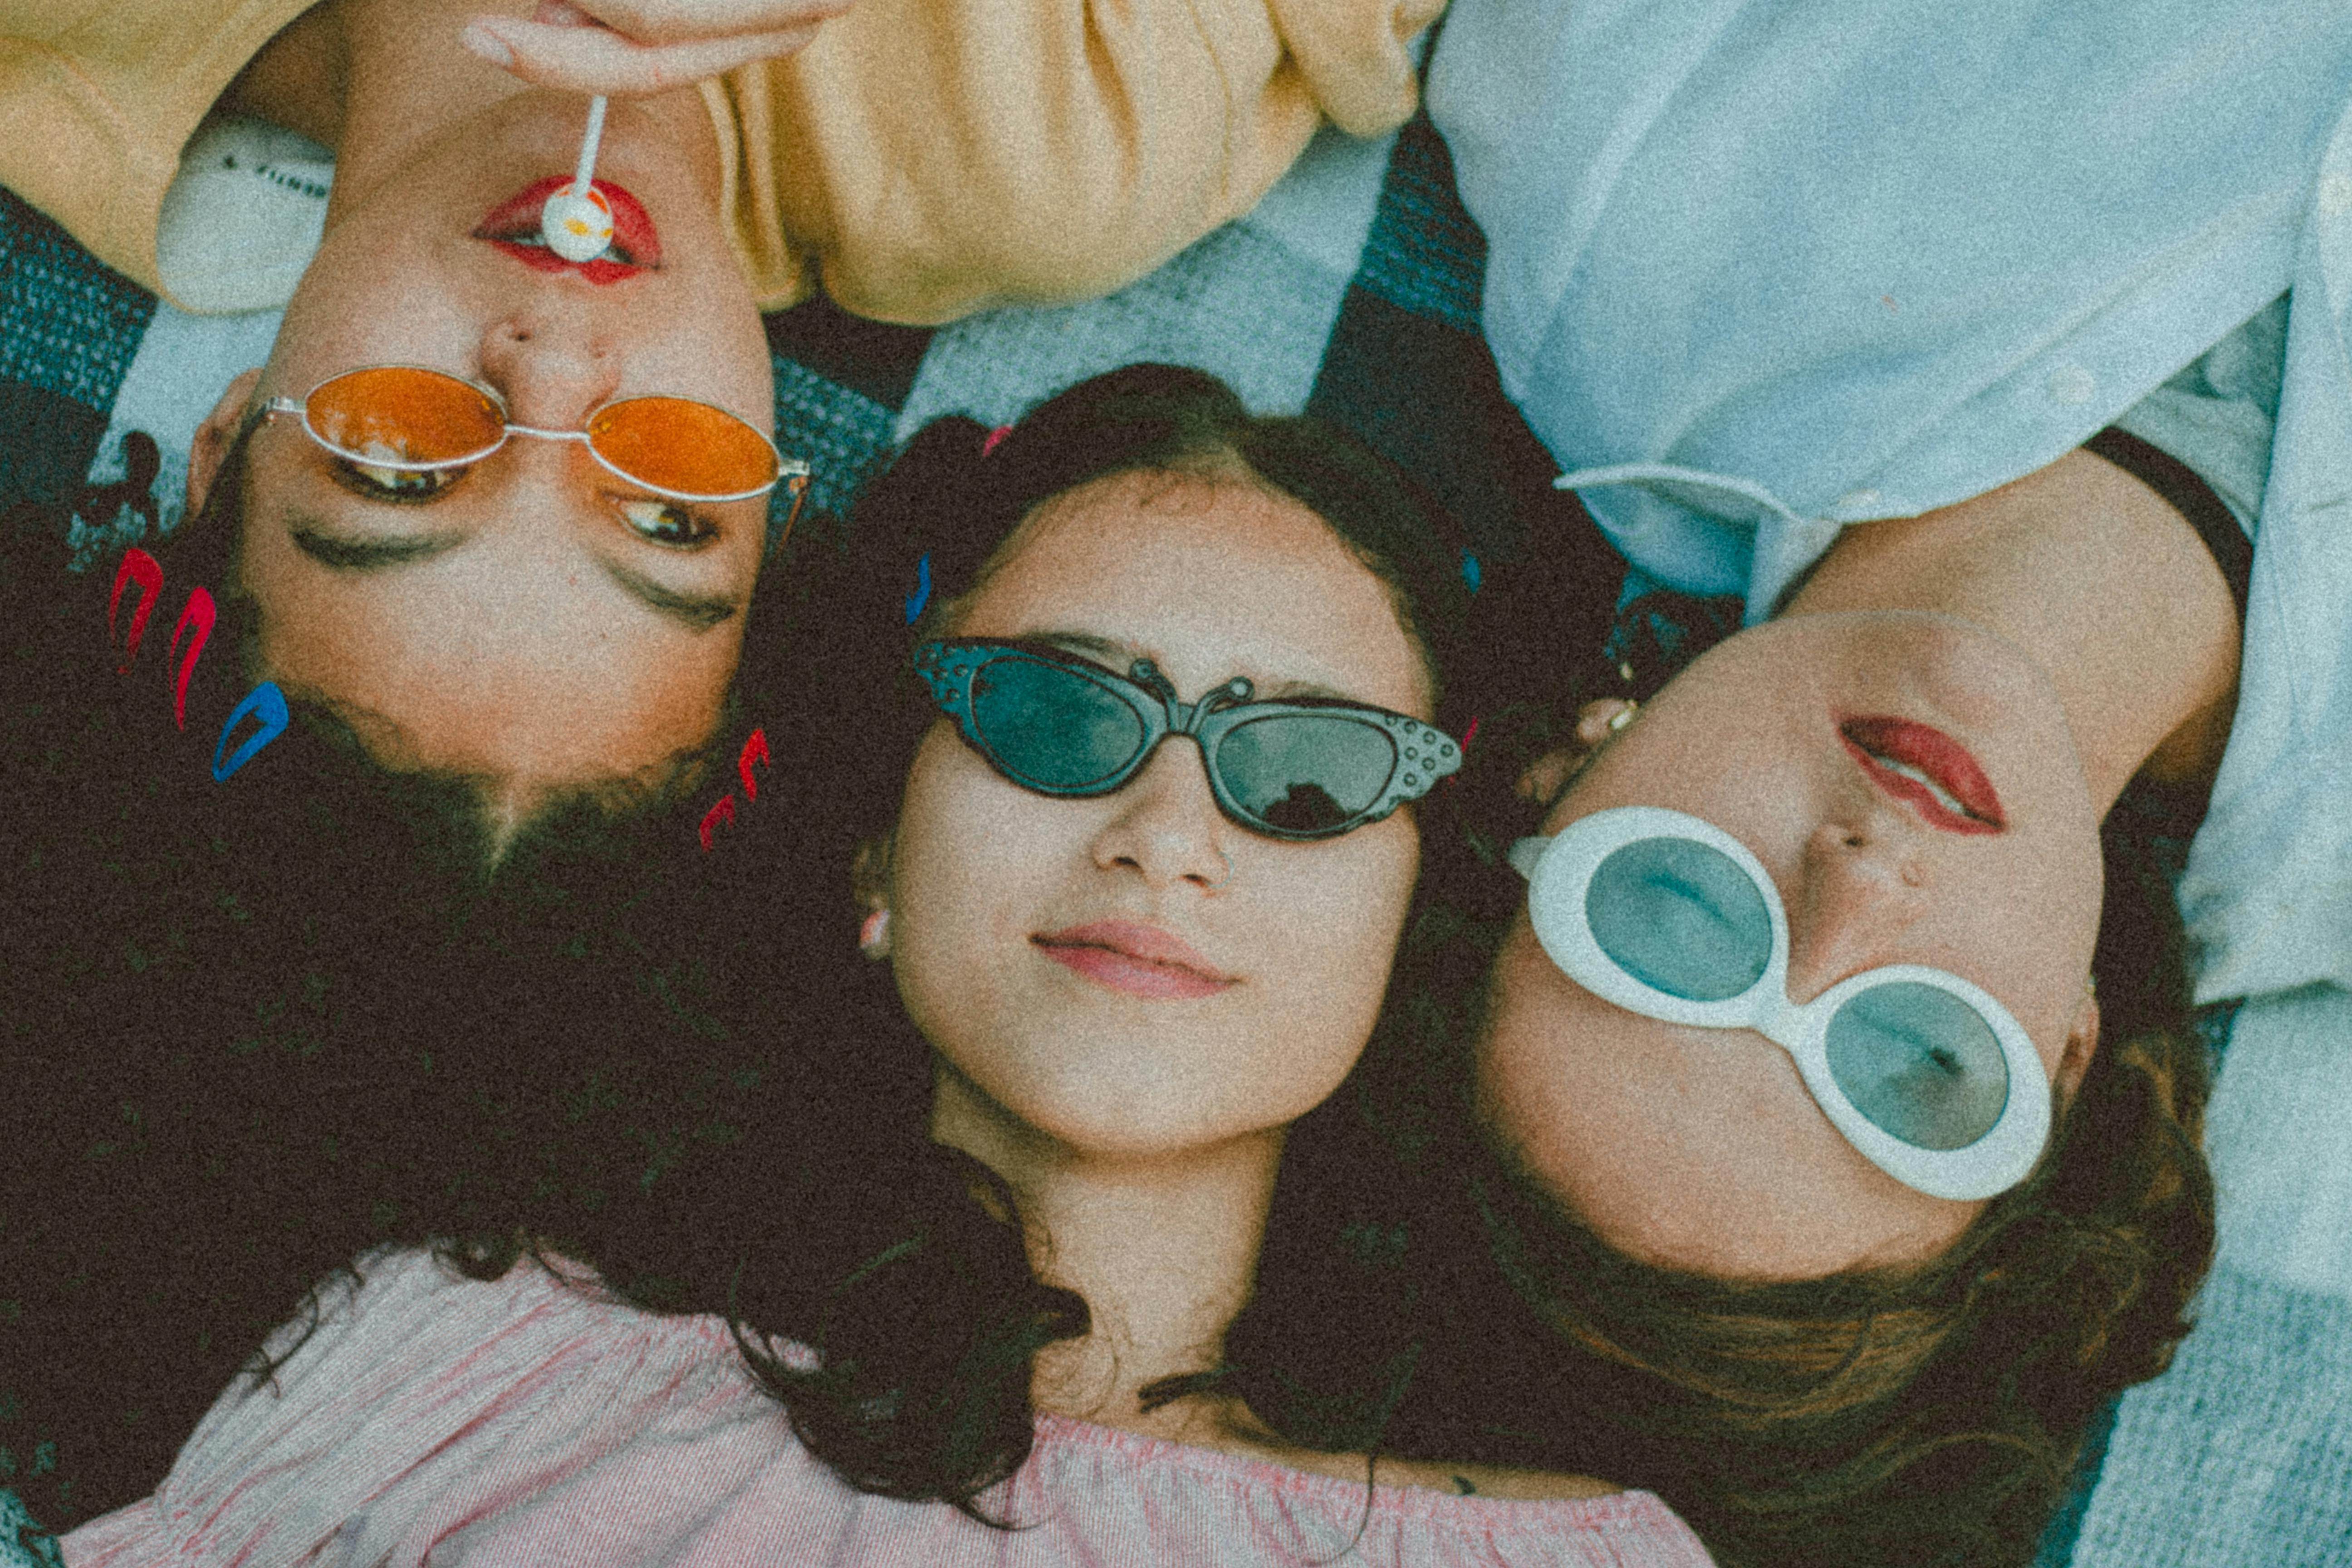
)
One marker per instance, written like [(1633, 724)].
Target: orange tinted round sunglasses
[(407, 417)]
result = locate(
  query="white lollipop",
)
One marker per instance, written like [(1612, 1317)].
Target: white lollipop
[(577, 221)]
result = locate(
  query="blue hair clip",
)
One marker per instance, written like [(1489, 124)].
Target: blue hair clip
[(922, 593), (265, 703)]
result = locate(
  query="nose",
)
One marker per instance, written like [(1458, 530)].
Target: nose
[(1165, 825), (1863, 882), (551, 372)]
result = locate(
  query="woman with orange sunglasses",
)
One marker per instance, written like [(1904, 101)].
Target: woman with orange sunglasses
[(548, 621)]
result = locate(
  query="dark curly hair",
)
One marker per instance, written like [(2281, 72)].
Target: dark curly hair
[(1924, 1415)]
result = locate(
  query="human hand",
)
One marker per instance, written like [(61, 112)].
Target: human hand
[(628, 48), (1597, 724)]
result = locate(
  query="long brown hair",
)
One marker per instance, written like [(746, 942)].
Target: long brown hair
[(1926, 1414)]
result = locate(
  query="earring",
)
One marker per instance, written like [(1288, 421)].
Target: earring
[(874, 936), (1623, 716)]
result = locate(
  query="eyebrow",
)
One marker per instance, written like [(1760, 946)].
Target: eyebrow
[(697, 612), (313, 539), (1125, 654)]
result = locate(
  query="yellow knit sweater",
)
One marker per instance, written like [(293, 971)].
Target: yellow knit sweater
[(923, 158)]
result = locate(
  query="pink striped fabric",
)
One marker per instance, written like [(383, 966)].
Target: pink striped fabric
[(432, 1419)]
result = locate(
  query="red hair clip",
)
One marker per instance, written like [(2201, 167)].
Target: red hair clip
[(996, 438)]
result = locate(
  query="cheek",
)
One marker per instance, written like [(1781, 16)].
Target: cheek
[(370, 296), (1519, 1072), (970, 869), (2035, 927), (1327, 930)]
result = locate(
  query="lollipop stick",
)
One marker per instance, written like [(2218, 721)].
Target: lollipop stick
[(587, 165)]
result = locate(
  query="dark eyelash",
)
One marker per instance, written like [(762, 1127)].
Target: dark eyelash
[(705, 527), (347, 474)]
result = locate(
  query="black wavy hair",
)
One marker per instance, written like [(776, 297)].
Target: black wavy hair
[(251, 1027), (827, 1217)]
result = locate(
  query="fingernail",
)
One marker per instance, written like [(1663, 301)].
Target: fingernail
[(487, 44)]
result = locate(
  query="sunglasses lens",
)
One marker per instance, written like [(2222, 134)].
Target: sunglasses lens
[(685, 447), (394, 414), (1305, 773), (1681, 917), (1051, 727), (1920, 1063)]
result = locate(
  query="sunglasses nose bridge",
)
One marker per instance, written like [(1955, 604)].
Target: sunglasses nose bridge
[(1153, 747), (1780, 1020), (544, 434)]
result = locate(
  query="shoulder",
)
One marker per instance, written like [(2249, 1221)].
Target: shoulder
[(407, 1383)]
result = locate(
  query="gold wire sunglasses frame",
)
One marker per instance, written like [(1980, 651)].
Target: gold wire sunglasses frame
[(411, 418)]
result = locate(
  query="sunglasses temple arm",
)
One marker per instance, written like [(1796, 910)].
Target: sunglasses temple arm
[(797, 486), (1525, 852), (585, 170)]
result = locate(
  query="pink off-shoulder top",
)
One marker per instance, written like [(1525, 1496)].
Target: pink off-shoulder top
[(432, 1419)]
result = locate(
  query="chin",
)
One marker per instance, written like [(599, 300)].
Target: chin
[(1131, 1121)]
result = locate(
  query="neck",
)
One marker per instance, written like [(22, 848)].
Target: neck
[(2104, 585), (1163, 1247), (297, 78)]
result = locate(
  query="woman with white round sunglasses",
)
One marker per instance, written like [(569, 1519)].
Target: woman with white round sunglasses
[(1832, 1153), (1937, 316)]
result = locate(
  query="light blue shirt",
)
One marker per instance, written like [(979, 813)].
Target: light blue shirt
[(1761, 269)]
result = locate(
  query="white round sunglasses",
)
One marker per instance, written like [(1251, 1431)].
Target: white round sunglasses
[(1667, 915)]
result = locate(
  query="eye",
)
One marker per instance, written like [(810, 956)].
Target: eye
[(666, 523), (404, 485)]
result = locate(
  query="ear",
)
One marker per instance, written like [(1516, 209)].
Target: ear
[(869, 874), (2081, 1045), (1595, 723), (210, 447)]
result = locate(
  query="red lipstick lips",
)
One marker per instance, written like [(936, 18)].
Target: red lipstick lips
[(1140, 960), (1926, 770), (512, 226)]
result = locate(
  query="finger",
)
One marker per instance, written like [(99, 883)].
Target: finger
[(694, 21), (1596, 721), (595, 60)]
